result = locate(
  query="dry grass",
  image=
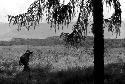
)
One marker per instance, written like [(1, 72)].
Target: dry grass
[(114, 55), (53, 58), (114, 66)]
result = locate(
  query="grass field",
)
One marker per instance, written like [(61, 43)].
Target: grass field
[(114, 70), (59, 65), (49, 65)]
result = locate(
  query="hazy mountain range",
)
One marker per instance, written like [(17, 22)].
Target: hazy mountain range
[(42, 31)]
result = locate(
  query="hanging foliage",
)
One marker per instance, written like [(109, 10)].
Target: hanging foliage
[(60, 14), (114, 23)]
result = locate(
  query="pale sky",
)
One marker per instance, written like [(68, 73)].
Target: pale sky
[(15, 7)]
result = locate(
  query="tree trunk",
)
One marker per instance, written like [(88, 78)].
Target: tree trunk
[(98, 42)]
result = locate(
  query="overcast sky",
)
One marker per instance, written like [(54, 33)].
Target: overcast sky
[(14, 7)]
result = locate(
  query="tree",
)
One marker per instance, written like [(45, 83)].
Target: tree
[(60, 14), (98, 40)]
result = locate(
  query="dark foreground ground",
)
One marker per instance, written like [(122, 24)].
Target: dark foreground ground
[(114, 73), (42, 76)]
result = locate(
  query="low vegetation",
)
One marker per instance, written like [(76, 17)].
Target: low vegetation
[(57, 64), (50, 41), (114, 69), (49, 65)]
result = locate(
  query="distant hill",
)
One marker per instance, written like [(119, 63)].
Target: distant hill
[(43, 31), (49, 41), (114, 43), (55, 40)]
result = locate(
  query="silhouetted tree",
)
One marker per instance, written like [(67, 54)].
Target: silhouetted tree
[(60, 14)]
